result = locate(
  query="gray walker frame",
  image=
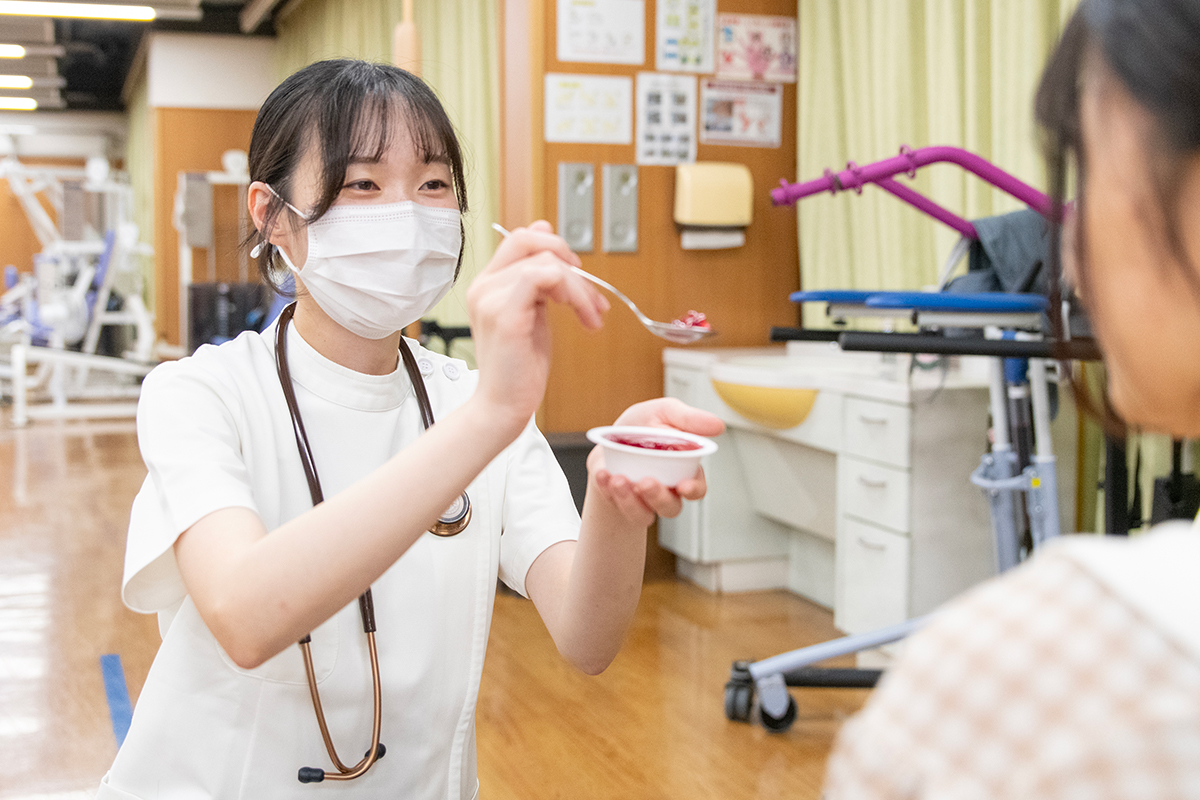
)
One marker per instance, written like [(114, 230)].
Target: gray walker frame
[(1010, 496)]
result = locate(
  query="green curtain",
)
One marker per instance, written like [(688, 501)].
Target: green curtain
[(878, 74), (139, 163), (460, 59)]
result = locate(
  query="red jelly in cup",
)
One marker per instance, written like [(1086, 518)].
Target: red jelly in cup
[(652, 441), (640, 451)]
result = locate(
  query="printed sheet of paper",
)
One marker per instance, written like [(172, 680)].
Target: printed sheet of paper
[(589, 108), (741, 113), (683, 35), (602, 31), (666, 118), (756, 48)]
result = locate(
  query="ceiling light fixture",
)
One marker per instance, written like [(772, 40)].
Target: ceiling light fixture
[(32, 8), (16, 82), (18, 104), (26, 50)]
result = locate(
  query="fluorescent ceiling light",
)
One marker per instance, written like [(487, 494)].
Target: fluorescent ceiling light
[(32, 8), (23, 51), (16, 82), (18, 103)]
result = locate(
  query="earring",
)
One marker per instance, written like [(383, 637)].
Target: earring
[(257, 250)]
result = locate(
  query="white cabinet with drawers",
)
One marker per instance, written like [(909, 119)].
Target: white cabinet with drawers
[(866, 506), (699, 536)]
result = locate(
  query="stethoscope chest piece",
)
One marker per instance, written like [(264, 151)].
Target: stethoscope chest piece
[(455, 519)]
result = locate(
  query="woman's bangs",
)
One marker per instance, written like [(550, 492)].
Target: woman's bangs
[(375, 130)]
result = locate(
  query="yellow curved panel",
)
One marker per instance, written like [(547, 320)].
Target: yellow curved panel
[(769, 406)]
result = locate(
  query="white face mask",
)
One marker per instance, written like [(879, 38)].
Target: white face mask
[(376, 268)]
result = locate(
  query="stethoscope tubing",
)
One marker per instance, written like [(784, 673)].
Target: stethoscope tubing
[(447, 525), (376, 752)]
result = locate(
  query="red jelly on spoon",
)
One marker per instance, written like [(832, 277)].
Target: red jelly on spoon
[(692, 319)]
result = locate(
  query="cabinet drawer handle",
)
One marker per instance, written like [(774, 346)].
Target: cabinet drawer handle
[(872, 545), (873, 420), (874, 483)]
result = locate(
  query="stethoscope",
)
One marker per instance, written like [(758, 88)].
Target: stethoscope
[(450, 523)]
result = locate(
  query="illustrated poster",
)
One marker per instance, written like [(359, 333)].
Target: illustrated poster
[(684, 35), (666, 118), (602, 31), (756, 48), (589, 108), (741, 113)]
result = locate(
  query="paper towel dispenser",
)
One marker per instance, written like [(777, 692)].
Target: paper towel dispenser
[(714, 201)]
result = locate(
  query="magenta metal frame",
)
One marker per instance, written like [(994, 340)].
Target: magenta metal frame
[(882, 173)]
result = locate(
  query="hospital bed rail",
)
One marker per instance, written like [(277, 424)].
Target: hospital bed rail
[(939, 344)]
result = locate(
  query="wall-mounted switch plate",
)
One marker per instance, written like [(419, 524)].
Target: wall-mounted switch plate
[(576, 205), (620, 208)]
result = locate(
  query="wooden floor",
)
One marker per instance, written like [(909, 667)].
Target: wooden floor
[(652, 726)]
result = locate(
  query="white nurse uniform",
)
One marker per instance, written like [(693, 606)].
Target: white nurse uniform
[(215, 433)]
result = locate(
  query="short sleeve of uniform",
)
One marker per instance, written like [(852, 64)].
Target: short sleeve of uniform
[(189, 440), (538, 508)]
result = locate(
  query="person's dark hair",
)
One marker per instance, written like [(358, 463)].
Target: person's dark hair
[(1153, 48), (343, 109)]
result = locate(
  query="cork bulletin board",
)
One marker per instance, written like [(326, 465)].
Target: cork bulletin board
[(744, 290)]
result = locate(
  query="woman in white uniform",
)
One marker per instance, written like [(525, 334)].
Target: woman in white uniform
[(291, 472)]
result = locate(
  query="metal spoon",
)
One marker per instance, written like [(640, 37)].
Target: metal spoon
[(679, 334)]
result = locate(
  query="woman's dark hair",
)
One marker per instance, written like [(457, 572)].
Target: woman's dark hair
[(1153, 48), (343, 109)]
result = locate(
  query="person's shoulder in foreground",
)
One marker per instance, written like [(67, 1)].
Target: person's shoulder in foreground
[(1076, 675)]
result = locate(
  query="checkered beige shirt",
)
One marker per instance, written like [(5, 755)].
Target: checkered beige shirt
[(1070, 677)]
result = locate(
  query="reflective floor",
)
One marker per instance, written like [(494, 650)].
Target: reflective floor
[(652, 726), (65, 491)]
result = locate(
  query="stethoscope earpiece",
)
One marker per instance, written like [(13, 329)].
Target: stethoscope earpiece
[(316, 775), (311, 775)]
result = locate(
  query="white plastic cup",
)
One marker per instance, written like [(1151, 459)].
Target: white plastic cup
[(668, 467)]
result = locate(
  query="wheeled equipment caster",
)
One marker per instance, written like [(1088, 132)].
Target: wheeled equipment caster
[(739, 693), (778, 724)]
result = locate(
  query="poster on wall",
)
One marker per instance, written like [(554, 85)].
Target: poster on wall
[(666, 118), (756, 48), (595, 109), (741, 113), (683, 35), (602, 31)]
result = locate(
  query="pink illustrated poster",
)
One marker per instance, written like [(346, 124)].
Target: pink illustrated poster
[(744, 113), (757, 48)]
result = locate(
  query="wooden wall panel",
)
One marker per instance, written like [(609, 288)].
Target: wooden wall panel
[(743, 291), (520, 112), (18, 243), (192, 140)]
